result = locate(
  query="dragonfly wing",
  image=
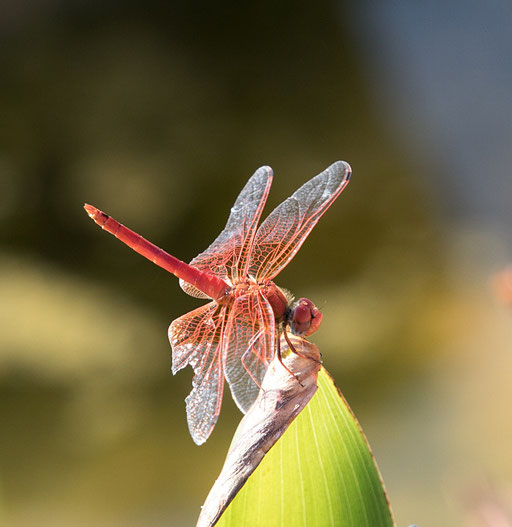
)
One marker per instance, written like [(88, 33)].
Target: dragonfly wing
[(228, 256), (249, 347), (196, 340), (280, 236)]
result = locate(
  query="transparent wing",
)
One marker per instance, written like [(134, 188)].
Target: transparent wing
[(227, 257), (280, 236), (196, 340), (249, 347)]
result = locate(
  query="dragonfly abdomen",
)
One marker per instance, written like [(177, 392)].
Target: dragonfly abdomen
[(209, 284)]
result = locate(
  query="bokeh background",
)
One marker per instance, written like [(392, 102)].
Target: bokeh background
[(158, 112)]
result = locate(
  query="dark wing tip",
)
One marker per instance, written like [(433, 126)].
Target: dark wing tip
[(265, 169), (343, 168)]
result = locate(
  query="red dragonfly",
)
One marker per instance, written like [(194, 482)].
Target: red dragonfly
[(236, 335)]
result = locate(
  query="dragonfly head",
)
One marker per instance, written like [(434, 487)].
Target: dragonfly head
[(304, 318)]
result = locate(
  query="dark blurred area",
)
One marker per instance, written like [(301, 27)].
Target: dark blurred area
[(158, 113)]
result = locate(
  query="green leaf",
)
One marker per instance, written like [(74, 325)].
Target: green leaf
[(320, 473)]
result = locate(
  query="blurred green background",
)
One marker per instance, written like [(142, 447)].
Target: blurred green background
[(157, 113)]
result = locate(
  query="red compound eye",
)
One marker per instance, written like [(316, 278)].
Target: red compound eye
[(305, 318)]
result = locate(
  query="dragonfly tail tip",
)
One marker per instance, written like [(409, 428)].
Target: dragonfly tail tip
[(91, 211)]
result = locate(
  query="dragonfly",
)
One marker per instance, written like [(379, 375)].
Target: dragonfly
[(234, 337)]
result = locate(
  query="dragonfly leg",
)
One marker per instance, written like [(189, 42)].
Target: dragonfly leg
[(294, 350), (280, 359)]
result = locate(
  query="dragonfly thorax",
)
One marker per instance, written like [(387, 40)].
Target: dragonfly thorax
[(277, 299)]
